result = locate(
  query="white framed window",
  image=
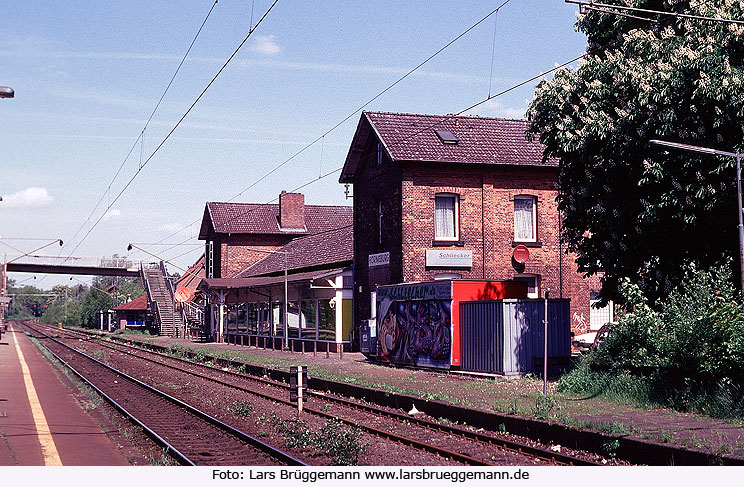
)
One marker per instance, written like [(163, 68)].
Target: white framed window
[(379, 153), (533, 284), (525, 219), (598, 317), (446, 217)]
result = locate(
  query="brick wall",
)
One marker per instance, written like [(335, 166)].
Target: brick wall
[(241, 253), (486, 227), (378, 184), (291, 210)]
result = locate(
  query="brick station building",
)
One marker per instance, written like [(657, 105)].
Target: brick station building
[(250, 248), (237, 235), (440, 197)]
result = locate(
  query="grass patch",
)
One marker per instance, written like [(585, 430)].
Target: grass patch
[(131, 332), (162, 459)]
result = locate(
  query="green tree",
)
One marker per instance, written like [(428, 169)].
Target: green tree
[(123, 289), (631, 209), (26, 304), (94, 300)]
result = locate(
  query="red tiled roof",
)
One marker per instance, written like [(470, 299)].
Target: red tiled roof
[(481, 140), (253, 218), (327, 248), (139, 304)]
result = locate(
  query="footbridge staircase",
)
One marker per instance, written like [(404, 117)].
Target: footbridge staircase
[(161, 299)]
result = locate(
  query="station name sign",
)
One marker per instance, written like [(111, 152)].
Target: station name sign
[(449, 258), (379, 260)]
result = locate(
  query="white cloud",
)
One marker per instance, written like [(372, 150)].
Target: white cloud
[(32, 197), (265, 45), (494, 108), (110, 214)]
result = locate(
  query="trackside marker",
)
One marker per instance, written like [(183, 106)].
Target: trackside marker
[(48, 448)]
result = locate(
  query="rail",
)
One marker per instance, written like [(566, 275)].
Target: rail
[(192, 458)]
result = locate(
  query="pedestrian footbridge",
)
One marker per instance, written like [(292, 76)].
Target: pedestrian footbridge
[(90, 266)]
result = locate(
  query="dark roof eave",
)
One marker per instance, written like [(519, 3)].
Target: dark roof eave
[(470, 163), (257, 282), (349, 178), (343, 264)]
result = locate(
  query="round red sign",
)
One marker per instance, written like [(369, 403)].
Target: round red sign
[(521, 254), (183, 294)]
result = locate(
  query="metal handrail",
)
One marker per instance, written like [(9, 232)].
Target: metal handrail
[(156, 312), (153, 304), (194, 311)]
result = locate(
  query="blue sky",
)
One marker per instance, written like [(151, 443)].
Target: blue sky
[(87, 76)]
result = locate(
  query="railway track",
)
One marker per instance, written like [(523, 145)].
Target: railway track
[(189, 435), (448, 441)]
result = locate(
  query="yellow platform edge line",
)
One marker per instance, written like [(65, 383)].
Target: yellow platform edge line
[(48, 447)]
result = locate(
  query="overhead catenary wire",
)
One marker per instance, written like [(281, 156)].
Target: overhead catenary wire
[(605, 8), (165, 139), (447, 117), (356, 111), (475, 105), (141, 138)]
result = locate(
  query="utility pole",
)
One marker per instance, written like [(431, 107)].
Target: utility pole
[(737, 156)]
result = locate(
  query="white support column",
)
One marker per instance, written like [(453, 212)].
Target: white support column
[(221, 336)]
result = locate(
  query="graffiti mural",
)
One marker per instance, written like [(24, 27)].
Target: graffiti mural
[(415, 332)]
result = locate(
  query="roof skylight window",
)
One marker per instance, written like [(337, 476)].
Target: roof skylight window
[(446, 136)]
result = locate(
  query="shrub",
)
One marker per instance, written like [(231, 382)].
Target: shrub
[(241, 408), (688, 355), (341, 444)]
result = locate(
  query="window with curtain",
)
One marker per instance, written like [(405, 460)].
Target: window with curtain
[(525, 221), (445, 217), (293, 319)]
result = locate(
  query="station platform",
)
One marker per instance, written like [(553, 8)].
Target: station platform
[(41, 422)]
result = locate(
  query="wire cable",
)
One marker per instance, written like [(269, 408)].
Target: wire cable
[(142, 133), (364, 105), (211, 82)]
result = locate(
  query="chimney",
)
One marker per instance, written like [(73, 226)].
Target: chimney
[(291, 211)]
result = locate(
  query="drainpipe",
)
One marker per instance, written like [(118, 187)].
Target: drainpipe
[(560, 255), (483, 223)]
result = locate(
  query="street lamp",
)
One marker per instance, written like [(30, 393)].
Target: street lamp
[(6, 92), (716, 152)]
